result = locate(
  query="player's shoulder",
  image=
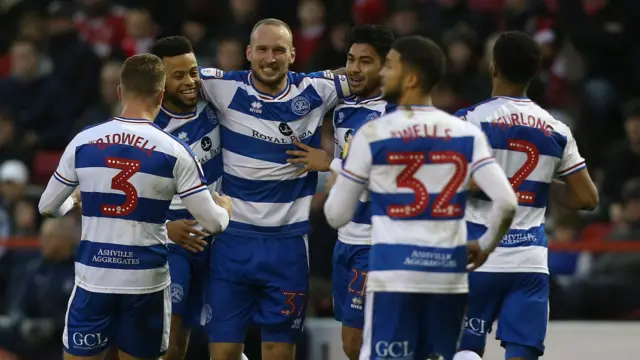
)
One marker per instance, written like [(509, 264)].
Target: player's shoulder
[(206, 111), (168, 143), (373, 128), (314, 78), (211, 73), (473, 111)]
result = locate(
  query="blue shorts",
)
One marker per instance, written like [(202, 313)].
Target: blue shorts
[(189, 279), (350, 266), (520, 303), (257, 280), (412, 325), (136, 324)]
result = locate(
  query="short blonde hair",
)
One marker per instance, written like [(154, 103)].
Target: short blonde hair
[(272, 22), (142, 75)]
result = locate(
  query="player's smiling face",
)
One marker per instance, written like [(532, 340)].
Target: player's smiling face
[(363, 69), (183, 81), (270, 53), (391, 77)]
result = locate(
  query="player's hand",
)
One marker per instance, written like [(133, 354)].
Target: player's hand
[(183, 233), (77, 199), (224, 201), (476, 256), (313, 159)]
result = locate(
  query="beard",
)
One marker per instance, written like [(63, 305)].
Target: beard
[(392, 96), (178, 103), (270, 82)]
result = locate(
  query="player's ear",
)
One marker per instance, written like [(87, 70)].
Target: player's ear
[(292, 57), (493, 69), (119, 92), (411, 80), (160, 97), (248, 53)]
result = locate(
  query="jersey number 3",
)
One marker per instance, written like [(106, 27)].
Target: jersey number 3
[(121, 182), (441, 206), (533, 156)]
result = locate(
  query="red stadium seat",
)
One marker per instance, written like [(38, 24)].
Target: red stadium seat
[(595, 232), (44, 164)]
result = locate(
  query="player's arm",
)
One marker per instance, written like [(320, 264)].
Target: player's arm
[(491, 179), (462, 114), (343, 197), (213, 83), (577, 191), (331, 87), (190, 186), (56, 199)]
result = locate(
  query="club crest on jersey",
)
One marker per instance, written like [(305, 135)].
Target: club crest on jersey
[(285, 129), (205, 315), (211, 115), (300, 106), (206, 143), (183, 136), (177, 293)]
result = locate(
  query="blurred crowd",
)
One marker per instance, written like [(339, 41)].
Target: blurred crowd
[(59, 69)]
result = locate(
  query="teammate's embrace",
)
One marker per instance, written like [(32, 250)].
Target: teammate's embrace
[(128, 171), (416, 163), (259, 266), (369, 47), (533, 148), (194, 122)]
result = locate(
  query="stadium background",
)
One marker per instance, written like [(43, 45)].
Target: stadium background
[(59, 68)]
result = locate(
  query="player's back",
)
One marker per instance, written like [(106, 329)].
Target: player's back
[(125, 169), (533, 148), (418, 185)]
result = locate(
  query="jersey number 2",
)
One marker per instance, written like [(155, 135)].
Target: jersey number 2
[(121, 182), (533, 156), (442, 206)]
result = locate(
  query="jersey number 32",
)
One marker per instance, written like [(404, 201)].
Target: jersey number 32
[(441, 206)]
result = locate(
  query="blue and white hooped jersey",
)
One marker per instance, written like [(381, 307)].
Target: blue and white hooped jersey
[(128, 171), (348, 117), (417, 162), (256, 131), (201, 132), (533, 148)]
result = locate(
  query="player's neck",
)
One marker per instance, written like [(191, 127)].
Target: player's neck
[(177, 109), (138, 111), (372, 94), (411, 98), (269, 90), (502, 89)]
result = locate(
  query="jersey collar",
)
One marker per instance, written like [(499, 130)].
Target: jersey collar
[(265, 96), (176, 116)]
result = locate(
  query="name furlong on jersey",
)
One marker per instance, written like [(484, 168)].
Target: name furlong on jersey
[(418, 161), (128, 171), (257, 129), (201, 132), (533, 148), (348, 117)]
